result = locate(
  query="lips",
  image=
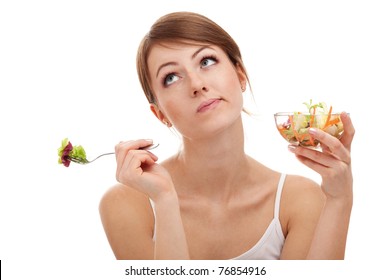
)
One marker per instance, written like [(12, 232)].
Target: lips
[(208, 104)]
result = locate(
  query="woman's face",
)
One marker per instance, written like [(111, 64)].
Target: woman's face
[(197, 88)]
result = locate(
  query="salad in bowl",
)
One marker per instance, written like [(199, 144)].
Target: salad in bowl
[(294, 126)]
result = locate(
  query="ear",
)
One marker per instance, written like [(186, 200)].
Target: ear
[(241, 76), (157, 112), (160, 115)]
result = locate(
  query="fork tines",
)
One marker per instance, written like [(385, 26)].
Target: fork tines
[(78, 160)]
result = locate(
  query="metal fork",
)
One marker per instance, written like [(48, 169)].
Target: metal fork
[(85, 161)]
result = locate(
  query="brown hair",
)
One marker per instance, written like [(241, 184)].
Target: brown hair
[(183, 27)]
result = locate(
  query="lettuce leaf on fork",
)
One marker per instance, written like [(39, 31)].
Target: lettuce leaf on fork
[(67, 151)]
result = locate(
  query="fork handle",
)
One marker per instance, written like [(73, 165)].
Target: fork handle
[(151, 146), (106, 154)]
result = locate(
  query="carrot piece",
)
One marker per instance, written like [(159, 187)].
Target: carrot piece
[(332, 122), (328, 118), (312, 117), (311, 140)]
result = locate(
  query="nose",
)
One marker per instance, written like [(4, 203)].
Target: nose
[(196, 92), (197, 84)]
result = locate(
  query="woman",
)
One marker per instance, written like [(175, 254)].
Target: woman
[(211, 200)]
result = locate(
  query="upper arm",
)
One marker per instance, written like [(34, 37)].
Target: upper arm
[(302, 204), (128, 222)]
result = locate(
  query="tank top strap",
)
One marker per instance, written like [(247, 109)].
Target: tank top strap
[(154, 214), (278, 195)]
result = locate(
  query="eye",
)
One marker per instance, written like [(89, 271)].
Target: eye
[(208, 61), (170, 79)]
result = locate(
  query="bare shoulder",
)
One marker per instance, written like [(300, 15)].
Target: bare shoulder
[(299, 185), (121, 195), (301, 194), (128, 221)]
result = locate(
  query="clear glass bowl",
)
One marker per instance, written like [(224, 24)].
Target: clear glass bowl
[(294, 127)]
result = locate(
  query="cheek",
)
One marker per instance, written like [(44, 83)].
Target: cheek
[(172, 110), (228, 79), (232, 86)]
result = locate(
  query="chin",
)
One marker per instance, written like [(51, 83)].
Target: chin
[(214, 127)]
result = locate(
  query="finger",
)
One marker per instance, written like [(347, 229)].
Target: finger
[(122, 148), (155, 158), (134, 144), (349, 130), (314, 157), (137, 159), (325, 149), (134, 164), (335, 171), (332, 144), (319, 168)]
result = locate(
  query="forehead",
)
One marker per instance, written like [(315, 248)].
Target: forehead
[(162, 50), (174, 51)]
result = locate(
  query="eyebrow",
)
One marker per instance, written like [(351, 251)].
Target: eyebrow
[(175, 63)]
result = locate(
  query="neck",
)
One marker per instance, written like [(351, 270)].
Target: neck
[(214, 166)]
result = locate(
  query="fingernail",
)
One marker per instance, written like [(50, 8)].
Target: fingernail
[(149, 140), (292, 148), (312, 131)]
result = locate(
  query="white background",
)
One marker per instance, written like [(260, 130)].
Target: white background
[(67, 69)]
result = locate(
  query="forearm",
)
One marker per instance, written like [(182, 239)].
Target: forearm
[(330, 235), (170, 242)]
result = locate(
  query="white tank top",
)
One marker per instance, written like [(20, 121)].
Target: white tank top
[(270, 245)]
